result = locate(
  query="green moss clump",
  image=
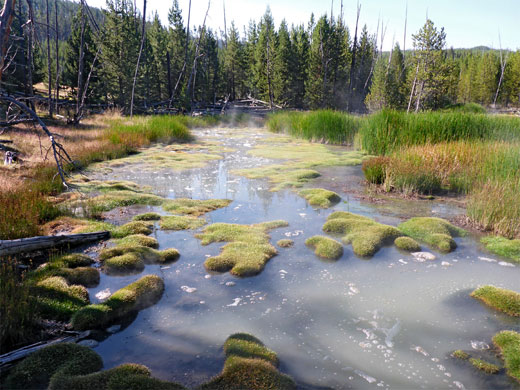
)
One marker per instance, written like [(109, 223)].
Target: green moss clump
[(281, 176), (175, 222), (123, 198), (249, 365), (75, 260), (136, 296), (59, 360), (129, 262), (506, 301), (248, 250), (57, 300), (407, 244), (435, 232), (147, 217), (460, 354), (138, 239), (320, 197), (503, 247), (482, 365), (325, 247), (141, 253), (194, 207), (285, 243), (508, 342), (130, 228), (85, 276), (366, 235)]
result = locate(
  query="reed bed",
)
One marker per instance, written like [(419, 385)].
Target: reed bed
[(322, 126)]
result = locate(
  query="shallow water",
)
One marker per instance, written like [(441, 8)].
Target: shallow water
[(388, 322)]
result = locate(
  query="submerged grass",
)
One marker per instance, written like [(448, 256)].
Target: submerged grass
[(176, 222), (484, 366), (194, 207), (248, 248), (366, 235), (506, 301), (436, 232)]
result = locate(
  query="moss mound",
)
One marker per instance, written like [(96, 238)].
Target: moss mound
[(85, 276), (89, 226), (74, 260), (194, 207), (249, 365), (140, 240), (506, 301), (407, 244), (136, 296), (73, 268), (147, 217), (122, 198), (132, 258), (57, 300), (508, 342), (325, 247), (285, 243), (503, 247), (175, 222), (366, 235), (435, 232), (51, 363), (281, 176), (320, 197), (482, 365), (248, 250)]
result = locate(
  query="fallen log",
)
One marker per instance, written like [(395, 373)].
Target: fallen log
[(8, 359), (28, 245)]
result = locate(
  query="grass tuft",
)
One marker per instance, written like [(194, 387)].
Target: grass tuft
[(285, 243), (460, 354), (508, 342), (484, 366), (177, 222), (147, 217), (248, 248), (506, 301), (435, 232), (139, 240), (325, 247), (194, 207), (320, 197), (503, 247), (407, 244)]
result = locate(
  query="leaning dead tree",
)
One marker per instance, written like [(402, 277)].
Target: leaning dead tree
[(19, 112)]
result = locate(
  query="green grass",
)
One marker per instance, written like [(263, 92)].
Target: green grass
[(285, 243), (136, 296), (147, 217), (484, 366), (467, 108), (407, 244), (194, 207), (59, 360), (138, 240), (321, 125), (178, 222), (128, 263), (503, 247), (320, 197), (249, 365), (136, 256), (366, 235), (388, 131), (248, 248), (460, 354), (435, 232), (508, 342), (325, 247), (506, 301)]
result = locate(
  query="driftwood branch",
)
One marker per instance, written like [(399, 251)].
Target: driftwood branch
[(28, 245)]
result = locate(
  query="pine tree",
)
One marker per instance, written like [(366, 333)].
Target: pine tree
[(283, 67), (156, 64), (300, 44), (265, 55), (234, 64), (511, 88)]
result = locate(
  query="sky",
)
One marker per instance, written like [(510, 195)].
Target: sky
[(468, 23)]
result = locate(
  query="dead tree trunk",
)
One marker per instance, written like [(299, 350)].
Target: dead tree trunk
[(81, 65), (353, 62), (6, 20), (143, 31), (49, 58), (503, 63), (56, 32), (30, 50), (186, 46)]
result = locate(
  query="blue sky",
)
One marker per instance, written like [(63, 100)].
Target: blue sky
[(468, 23)]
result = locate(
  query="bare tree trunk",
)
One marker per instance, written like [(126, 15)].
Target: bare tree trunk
[(30, 51), (57, 56), (169, 72), (49, 59), (413, 88), (81, 65), (503, 63), (181, 74), (270, 87), (143, 31), (24, 56), (6, 19), (353, 62)]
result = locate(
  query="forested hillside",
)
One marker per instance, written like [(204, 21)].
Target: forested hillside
[(322, 64)]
